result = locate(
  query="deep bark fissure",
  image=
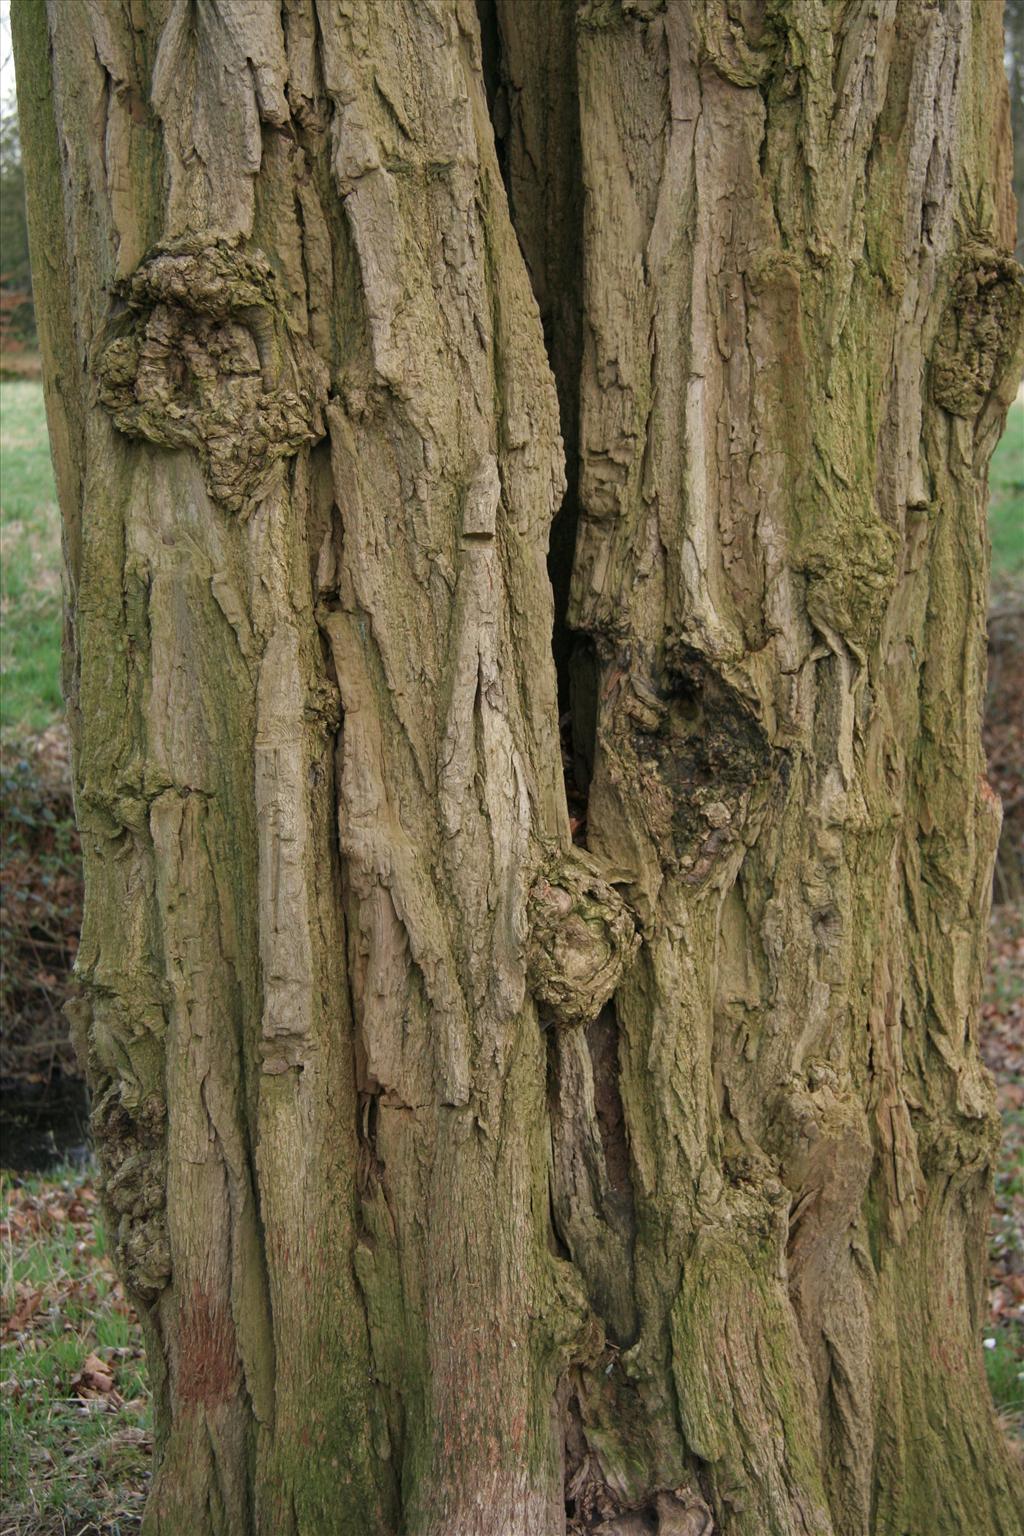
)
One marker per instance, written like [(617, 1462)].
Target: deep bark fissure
[(548, 221), (494, 85)]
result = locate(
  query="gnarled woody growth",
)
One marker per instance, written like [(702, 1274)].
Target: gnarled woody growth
[(468, 1182), (208, 363)]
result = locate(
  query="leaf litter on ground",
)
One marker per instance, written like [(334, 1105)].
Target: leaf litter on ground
[(74, 1399), (1002, 1046)]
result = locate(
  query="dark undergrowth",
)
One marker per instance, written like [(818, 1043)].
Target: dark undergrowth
[(41, 914)]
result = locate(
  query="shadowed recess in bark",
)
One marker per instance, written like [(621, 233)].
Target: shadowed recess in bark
[(592, 1195), (689, 749), (592, 1507), (529, 61)]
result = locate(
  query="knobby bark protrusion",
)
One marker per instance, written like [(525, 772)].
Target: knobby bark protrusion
[(204, 361), (581, 939), (979, 333)]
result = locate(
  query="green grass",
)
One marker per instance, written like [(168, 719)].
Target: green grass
[(1004, 1367), (76, 1448), (30, 565), (1006, 506)]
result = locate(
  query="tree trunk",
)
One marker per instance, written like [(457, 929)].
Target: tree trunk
[(469, 1179)]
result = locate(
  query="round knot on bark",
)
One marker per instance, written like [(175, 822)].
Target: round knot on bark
[(686, 751), (980, 333), (131, 1141), (582, 938), (204, 359)]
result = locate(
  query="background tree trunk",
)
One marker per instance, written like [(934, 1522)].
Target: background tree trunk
[(468, 1180)]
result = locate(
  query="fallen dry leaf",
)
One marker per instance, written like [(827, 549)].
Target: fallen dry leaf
[(29, 1302), (95, 1379)]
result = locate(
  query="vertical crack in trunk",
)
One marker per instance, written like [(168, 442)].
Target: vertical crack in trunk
[(603, 1045), (592, 1192), (701, 583), (530, 69)]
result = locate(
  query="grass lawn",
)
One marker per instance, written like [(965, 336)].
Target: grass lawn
[(74, 1403), (30, 565), (1006, 506)]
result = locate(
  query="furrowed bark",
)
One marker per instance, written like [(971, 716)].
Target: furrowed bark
[(799, 321), (468, 1181)]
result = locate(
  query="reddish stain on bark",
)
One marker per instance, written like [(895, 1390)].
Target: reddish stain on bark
[(207, 1359), (989, 798)]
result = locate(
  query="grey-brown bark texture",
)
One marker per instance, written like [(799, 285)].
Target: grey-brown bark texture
[(468, 1181)]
